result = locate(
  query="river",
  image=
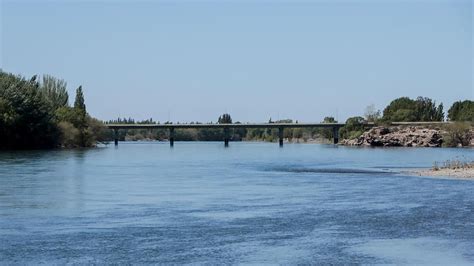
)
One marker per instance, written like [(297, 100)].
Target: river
[(255, 203)]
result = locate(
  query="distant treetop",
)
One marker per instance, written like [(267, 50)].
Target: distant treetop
[(225, 119)]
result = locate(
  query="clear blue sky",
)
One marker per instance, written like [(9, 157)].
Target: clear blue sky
[(195, 60)]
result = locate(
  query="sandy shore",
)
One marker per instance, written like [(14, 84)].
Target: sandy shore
[(456, 173)]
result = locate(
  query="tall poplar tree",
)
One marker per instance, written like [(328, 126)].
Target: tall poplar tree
[(81, 116)]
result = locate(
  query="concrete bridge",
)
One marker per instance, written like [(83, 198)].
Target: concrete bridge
[(226, 128), (280, 126)]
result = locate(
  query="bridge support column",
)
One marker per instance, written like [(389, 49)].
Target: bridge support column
[(335, 131), (226, 137), (280, 136), (171, 136), (116, 136)]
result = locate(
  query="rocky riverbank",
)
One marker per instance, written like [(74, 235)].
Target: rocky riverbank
[(409, 136)]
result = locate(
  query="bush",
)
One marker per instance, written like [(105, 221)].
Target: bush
[(456, 134), (453, 164), (69, 135), (353, 129)]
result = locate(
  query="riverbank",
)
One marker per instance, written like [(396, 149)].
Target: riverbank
[(452, 168), (454, 173)]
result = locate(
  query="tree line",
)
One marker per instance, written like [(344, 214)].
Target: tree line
[(35, 113), (402, 109)]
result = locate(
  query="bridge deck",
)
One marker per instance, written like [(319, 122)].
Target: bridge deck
[(261, 125), (280, 126)]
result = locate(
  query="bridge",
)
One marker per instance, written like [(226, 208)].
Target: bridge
[(226, 128), (280, 126)]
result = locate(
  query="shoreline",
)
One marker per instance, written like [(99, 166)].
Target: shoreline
[(463, 173)]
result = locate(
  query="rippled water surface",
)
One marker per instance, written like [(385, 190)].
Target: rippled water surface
[(249, 203)]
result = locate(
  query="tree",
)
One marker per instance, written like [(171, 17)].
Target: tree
[(426, 110), (354, 127), (26, 117), (371, 113), (329, 119), (327, 132), (224, 119), (79, 103), (55, 91), (401, 110), (37, 115), (405, 109), (462, 111), (80, 121)]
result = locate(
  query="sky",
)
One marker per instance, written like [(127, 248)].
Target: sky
[(194, 60)]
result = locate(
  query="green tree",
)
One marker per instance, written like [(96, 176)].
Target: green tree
[(79, 103), (354, 127), (400, 110), (462, 111), (327, 132), (37, 115), (55, 91), (225, 119), (426, 110), (26, 117), (329, 119), (405, 109), (80, 121)]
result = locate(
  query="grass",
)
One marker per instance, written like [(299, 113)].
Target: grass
[(453, 164)]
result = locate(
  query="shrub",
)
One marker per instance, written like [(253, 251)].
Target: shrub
[(456, 134), (97, 132), (69, 135), (353, 129)]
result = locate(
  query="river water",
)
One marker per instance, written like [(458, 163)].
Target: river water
[(254, 203)]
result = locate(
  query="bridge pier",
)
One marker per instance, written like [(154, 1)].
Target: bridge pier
[(226, 137), (116, 137), (280, 136), (171, 136), (335, 131)]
